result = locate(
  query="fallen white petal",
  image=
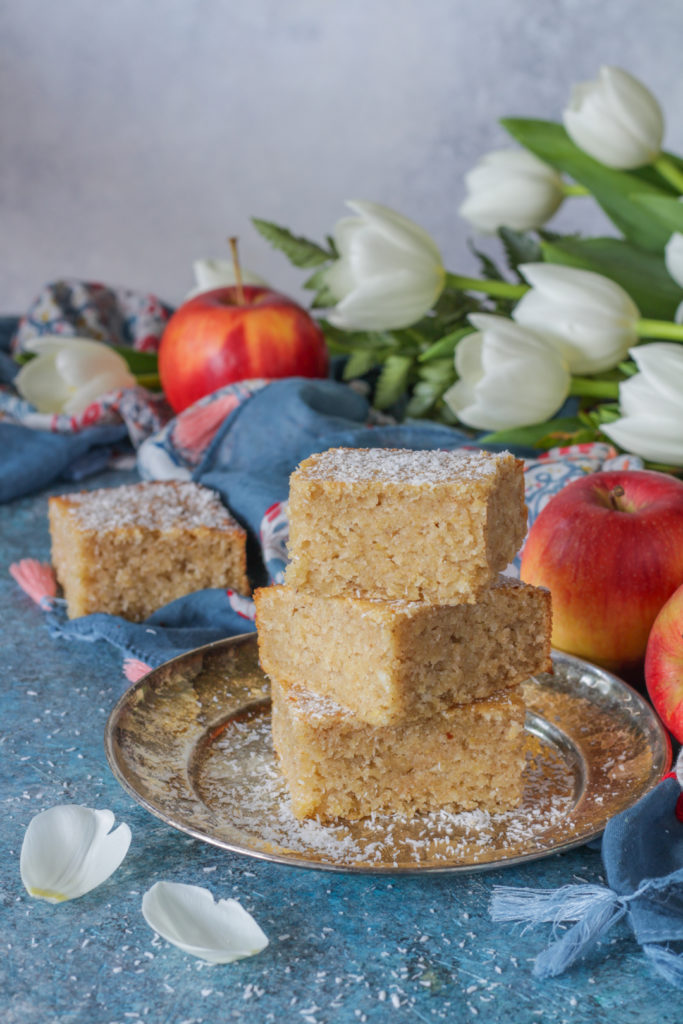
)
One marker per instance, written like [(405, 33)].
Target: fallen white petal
[(69, 850), (187, 916)]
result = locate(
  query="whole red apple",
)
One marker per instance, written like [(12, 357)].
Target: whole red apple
[(664, 664), (609, 547), (231, 334)]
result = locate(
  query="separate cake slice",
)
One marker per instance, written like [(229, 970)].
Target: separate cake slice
[(404, 525), (469, 756), (389, 661), (129, 550)]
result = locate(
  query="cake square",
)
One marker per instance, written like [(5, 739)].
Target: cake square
[(129, 550), (467, 757), (406, 525), (388, 661)]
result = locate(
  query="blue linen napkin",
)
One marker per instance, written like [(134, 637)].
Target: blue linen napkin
[(642, 853)]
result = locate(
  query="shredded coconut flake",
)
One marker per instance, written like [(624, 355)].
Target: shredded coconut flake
[(396, 465), (158, 506)]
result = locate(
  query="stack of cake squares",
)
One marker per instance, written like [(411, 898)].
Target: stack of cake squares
[(395, 649)]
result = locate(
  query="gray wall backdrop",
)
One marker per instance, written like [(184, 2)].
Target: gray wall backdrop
[(137, 134)]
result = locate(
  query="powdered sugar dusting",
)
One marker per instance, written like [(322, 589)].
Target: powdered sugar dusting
[(154, 505), (397, 465)]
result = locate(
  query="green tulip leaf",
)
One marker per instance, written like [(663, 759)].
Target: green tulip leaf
[(393, 380), (138, 362), (641, 273), (539, 435), (445, 346), (299, 250), (359, 363), (612, 189), (665, 208)]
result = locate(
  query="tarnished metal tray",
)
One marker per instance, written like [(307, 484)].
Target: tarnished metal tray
[(191, 743)]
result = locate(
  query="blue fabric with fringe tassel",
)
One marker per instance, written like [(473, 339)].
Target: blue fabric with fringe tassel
[(642, 851)]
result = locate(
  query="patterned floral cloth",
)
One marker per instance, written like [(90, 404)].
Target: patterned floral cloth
[(115, 316)]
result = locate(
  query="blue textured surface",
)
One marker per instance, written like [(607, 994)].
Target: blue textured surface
[(342, 948)]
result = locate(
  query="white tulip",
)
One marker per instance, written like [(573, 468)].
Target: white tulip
[(589, 318), (651, 404), (509, 377), (69, 850), (389, 273), (511, 188), (616, 120), (673, 257), (187, 916), (210, 274), (68, 374)]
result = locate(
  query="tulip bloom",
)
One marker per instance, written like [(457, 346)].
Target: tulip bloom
[(651, 404), (511, 188), (590, 319), (616, 120), (509, 377), (68, 374), (389, 273)]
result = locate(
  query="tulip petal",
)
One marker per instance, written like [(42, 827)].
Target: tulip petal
[(588, 317), (653, 437), (673, 257), (68, 374), (187, 917), (402, 231), (69, 850), (384, 301), (96, 388), (661, 364), (509, 377), (389, 272), (615, 119), (210, 274), (511, 188), (39, 383)]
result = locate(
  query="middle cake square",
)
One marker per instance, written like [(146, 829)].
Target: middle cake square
[(387, 661)]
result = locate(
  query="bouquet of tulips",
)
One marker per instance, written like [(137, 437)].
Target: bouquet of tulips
[(580, 341)]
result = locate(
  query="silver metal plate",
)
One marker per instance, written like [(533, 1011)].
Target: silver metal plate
[(191, 743)]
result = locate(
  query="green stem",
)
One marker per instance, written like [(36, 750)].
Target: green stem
[(669, 171), (660, 329), (149, 380), (590, 387), (499, 289), (574, 189)]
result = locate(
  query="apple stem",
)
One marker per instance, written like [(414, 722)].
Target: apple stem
[(614, 495), (239, 287)]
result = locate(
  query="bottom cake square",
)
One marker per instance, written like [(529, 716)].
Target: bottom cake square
[(470, 756)]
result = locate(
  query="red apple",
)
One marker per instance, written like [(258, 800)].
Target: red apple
[(664, 664), (609, 547), (227, 334)]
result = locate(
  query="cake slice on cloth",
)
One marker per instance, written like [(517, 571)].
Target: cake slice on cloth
[(129, 550)]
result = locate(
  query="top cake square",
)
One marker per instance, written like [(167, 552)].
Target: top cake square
[(393, 524)]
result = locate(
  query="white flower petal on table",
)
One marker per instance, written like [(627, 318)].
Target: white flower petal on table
[(188, 917), (69, 850)]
